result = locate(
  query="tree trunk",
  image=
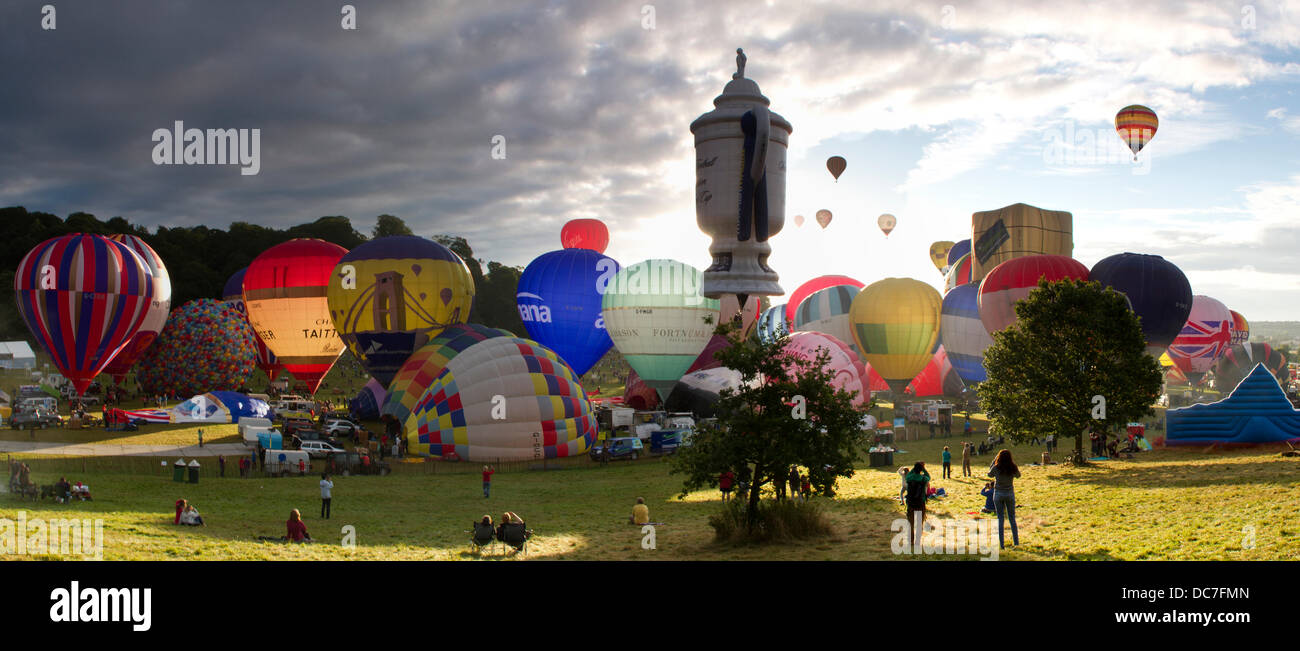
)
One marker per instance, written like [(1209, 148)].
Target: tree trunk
[(751, 512)]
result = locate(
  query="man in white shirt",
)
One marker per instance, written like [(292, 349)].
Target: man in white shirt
[(325, 486)]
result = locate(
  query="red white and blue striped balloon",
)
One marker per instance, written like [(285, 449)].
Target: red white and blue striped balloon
[(963, 334), (83, 297), (159, 308)]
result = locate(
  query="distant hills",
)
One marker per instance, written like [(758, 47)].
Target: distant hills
[(1275, 332)]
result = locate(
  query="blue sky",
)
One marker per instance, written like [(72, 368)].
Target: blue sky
[(941, 108)]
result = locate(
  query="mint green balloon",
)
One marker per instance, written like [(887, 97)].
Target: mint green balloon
[(658, 320)]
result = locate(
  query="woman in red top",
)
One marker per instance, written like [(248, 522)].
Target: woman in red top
[(724, 484), (297, 531), (180, 508)]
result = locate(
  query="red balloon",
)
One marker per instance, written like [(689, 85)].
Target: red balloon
[(585, 234), (1012, 280), (816, 284)]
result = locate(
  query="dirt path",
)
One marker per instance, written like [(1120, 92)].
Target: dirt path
[(119, 450)]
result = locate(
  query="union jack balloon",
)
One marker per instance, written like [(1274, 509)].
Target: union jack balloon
[(83, 297), (1204, 338)]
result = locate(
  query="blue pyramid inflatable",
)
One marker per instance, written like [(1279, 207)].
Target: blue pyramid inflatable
[(1256, 412)]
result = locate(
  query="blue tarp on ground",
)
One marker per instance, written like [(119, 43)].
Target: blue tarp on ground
[(1256, 412)]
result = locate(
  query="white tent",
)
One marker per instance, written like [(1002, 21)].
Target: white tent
[(16, 354)]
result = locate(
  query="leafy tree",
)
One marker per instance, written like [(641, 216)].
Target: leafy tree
[(389, 225), (1072, 341), (785, 414)]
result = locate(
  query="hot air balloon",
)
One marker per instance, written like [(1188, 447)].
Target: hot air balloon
[(391, 295), (585, 234), (849, 371), (158, 308), (798, 220), (285, 291), (366, 403), (699, 391), (772, 324), (1203, 340), (1136, 126), (658, 320), (886, 222), (815, 285), (559, 302), (963, 334), (938, 378), (1015, 279), (1240, 327), (83, 297), (895, 324), (827, 311), (836, 165), (1156, 289), (420, 370), (638, 394), (958, 274), (503, 399), (730, 307), (939, 255), (233, 293), (1016, 231), (207, 345), (824, 218), (1241, 359), (958, 250)]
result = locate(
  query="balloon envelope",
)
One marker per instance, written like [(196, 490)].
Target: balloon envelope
[(420, 370), (957, 251), (1203, 340), (895, 325), (958, 274), (798, 220), (1014, 279), (939, 254), (816, 284), (1241, 359), (772, 324), (827, 311), (503, 399), (658, 319), (233, 293), (83, 297), (285, 290), (850, 374), (1136, 126), (1240, 327), (938, 378), (824, 218), (559, 300), (207, 345), (886, 222), (159, 307), (391, 295), (367, 402), (964, 337), (1157, 290), (585, 234), (836, 165)]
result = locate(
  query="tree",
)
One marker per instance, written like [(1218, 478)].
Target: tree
[(389, 225), (1075, 359), (785, 414)]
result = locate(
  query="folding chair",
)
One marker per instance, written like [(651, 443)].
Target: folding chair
[(516, 535), (482, 535)]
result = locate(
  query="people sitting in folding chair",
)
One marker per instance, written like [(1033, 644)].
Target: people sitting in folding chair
[(513, 531), (483, 533)]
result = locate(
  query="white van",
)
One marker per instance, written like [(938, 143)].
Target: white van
[(285, 462)]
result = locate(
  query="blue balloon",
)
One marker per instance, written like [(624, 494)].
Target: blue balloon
[(957, 251), (772, 324), (964, 336), (1157, 290), (559, 296)]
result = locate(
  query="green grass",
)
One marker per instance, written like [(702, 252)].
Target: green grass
[(1168, 504)]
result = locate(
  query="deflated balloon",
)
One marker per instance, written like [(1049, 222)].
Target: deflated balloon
[(503, 399), (285, 289), (83, 297)]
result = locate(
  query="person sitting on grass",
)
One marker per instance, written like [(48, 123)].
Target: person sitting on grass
[(988, 498), (190, 517), (296, 530), (640, 512)]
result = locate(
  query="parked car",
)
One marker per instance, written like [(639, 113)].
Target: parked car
[(319, 449), (292, 425), (341, 427), (35, 419), (624, 447), (304, 435), (352, 463)]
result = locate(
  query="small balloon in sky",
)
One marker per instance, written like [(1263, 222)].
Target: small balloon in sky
[(887, 223), (836, 165), (824, 218), (798, 220), (1136, 126)]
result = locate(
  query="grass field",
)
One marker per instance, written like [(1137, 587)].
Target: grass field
[(1169, 504)]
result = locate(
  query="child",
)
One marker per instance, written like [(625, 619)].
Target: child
[(965, 458), (988, 498), (947, 463), (805, 488), (902, 492)]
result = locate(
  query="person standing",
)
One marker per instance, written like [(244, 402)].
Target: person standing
[(947, 463), (326, 495), (793, 480), (966, 428), (805, 488), (965, 458), (221, 461), (932, 429), (725, 480), (918, 480), (200, 437), (1004, 472), (487, 480)]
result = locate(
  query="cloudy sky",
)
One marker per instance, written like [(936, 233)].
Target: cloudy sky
[(941, 109)]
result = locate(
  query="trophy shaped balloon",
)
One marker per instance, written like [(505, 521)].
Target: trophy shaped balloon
[(740, 149)]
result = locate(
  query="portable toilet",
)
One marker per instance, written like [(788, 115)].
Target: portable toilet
[(194, 471), (270, 440), (178, 471)]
